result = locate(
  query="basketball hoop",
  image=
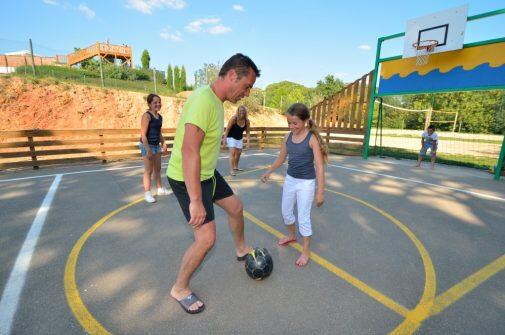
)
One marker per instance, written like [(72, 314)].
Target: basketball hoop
[(423, 51)]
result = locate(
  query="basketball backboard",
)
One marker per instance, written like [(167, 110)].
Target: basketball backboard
[(447, 27)]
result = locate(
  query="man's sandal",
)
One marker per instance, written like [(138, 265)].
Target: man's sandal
[(188, 301)]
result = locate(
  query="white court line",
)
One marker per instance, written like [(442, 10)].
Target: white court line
[(445, 169), (16, 281), (477, 194), (101, 170)]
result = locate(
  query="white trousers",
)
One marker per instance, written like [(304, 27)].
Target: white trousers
[(301, 192)]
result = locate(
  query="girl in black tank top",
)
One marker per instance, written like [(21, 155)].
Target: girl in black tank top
[(150, 139), (233, 137)]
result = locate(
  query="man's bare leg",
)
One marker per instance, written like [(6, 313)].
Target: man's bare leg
[(235, 209), (205, 236)]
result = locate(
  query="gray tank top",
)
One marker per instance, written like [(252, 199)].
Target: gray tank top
[(300, 158)]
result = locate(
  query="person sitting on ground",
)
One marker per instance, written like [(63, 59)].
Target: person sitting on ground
[(429, 140), (233, 135)]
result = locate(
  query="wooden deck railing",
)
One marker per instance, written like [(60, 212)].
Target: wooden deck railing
[(346, 114), (36, 148)]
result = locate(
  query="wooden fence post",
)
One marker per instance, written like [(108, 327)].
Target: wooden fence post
[(262, 139), (33, 153), (104, 159)]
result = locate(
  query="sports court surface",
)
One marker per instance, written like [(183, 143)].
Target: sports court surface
[(395, 249)]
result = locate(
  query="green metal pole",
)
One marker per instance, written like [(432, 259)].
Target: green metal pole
[(372, 98), (499, 166)]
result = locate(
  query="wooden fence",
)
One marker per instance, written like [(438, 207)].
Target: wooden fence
[(342, 120), (36, 148), (344, 115)]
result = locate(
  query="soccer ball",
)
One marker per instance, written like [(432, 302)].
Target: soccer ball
[(259, 264)]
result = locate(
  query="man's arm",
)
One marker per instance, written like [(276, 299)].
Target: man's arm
[(191, 168)]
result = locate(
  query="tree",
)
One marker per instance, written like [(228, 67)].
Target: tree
[(183, 83), (177, 79), (329, 86), (170, 77), (281, 95), (254, 101), (477, 110), (145, 59), (207, 74)]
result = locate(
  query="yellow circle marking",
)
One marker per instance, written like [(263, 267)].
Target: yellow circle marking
[(87, 321), (411, 323)]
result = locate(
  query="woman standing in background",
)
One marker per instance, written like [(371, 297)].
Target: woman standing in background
[(233, 136)]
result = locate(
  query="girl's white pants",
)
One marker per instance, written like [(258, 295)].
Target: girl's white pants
[(301, 192)]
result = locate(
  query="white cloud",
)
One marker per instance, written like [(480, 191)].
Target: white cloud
[(50, 2), (88, 12), (238, 8), (147, 6), (167, 35), (341, 75), (197, 25), (219, 29), (365, 47)]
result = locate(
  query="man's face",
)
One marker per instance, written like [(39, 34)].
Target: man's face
[(240, 88), (430, 131)]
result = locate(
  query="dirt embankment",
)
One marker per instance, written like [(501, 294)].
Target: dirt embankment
[(46, 104)]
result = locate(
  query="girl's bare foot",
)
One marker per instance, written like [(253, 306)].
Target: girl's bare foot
[(302, 260), (286, 240)]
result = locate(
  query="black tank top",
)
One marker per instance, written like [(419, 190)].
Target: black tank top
[(154, 129), (236, 131)]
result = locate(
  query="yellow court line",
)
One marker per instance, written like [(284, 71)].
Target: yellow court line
[(453, 294), (413, 317), (383, 299), (456, 292), (421, 311), (82, 314)]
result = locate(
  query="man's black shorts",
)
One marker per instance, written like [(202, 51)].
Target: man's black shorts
[(213, 189)]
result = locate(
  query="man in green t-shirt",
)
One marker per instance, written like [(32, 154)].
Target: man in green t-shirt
[(192, 173)]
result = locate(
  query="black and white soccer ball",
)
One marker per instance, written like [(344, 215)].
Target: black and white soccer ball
[(259, 264)]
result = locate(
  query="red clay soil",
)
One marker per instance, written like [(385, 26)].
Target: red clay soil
[(47, 104)]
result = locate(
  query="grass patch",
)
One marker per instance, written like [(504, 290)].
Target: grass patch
[(478, 162), (59, 74), (442, 138)]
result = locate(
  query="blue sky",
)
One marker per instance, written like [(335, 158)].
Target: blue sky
[(299, 41)]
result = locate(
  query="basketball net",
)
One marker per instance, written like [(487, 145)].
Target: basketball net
[(423, 51)]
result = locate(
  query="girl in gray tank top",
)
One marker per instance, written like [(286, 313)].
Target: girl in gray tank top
[(304, 148)]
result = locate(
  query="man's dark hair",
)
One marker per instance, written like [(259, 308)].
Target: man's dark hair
[(241, 64), (431, 127)]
